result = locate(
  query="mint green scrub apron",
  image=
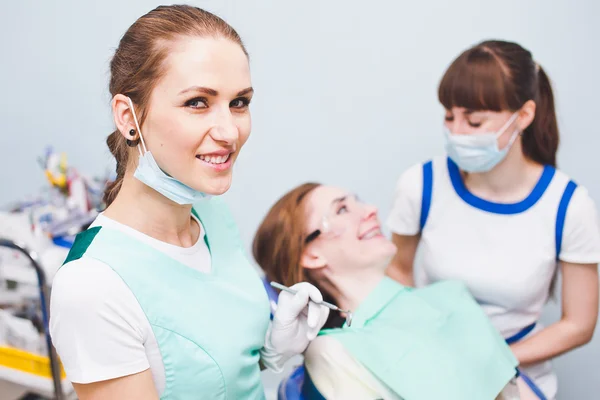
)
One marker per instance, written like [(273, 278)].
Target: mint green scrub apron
[(209, 327)]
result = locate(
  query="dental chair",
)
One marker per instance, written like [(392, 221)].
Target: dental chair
[(298, 385)]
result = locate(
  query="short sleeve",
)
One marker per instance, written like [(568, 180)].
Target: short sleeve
[(405, 214), (581, 234), (96, 324)]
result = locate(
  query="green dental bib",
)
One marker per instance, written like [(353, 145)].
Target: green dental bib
[(431, 343)]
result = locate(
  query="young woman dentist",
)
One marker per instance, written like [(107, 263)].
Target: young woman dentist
[(496, 214), (157, 298)]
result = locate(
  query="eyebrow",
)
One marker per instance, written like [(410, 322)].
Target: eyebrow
[(339, 199), (213, 92), (245, 91)]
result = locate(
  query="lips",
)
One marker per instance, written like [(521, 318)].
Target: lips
[(219, 161), (371, 233), (214, 159)]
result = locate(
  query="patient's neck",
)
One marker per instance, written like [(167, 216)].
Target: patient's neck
[(351, 290)]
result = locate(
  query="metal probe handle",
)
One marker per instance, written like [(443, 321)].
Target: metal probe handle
[(323, 303)]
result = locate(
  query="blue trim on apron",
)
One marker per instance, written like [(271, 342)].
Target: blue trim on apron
[(561, 214), (426, 196), (520, 335), (558, 233), (515, 338)]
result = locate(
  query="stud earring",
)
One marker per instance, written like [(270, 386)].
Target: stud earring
[(132, 142)]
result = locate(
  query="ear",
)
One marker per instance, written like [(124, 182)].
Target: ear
[(123, 117), (526, 115), (312, 260)]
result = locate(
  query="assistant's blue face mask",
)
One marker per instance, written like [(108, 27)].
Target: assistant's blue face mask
[(153, 176), (478, 152)]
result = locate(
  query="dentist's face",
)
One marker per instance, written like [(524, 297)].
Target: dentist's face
[(460, 120), (198, 117)]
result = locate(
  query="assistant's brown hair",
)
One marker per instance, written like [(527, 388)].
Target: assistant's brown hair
[(497, 75), (138, 64)]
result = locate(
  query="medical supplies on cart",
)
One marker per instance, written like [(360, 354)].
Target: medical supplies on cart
[(35, 237)]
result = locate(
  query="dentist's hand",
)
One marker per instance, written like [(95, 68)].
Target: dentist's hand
[(297, 320)]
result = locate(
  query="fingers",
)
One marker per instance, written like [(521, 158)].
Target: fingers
[(321, 317), (324, 315), (314, 297), (317, 314), (295, 304), (314, 293), (314, 313), (306, 301)]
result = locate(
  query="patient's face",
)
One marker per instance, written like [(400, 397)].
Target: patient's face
[(351, 235)]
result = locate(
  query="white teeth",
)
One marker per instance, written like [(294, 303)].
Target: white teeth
[(214, 159), (371, 234)]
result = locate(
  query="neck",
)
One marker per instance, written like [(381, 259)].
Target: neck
[(511, 180), (147, 211), (351, 290)]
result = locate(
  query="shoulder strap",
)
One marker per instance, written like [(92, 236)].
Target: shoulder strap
[(218, 223), (81, 244), (562, 213), (427, 189)]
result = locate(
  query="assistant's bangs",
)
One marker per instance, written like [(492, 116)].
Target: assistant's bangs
[(477, 81)]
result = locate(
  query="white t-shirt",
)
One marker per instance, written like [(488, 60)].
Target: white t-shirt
[(505, 253), (97, 325)]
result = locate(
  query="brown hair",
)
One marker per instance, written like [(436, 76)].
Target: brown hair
[(497, 75), (138, 63), (280, 241)]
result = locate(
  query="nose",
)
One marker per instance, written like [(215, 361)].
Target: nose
[(224, 129), (369, 212)]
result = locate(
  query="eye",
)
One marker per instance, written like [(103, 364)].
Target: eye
[(198, 102), (240, 103), (342, 210), (474, 124), (449, 118)]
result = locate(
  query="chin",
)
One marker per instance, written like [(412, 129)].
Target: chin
[(386, 246), (393, 249), (388, 252), (214, 186)]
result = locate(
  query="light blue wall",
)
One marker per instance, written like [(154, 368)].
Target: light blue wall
[(345, 94)]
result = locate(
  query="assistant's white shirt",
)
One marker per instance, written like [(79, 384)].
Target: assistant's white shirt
[(506, 254), (97, 325)]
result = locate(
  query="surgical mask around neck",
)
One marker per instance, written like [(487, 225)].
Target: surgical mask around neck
[(478, 152), (153, 176)]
